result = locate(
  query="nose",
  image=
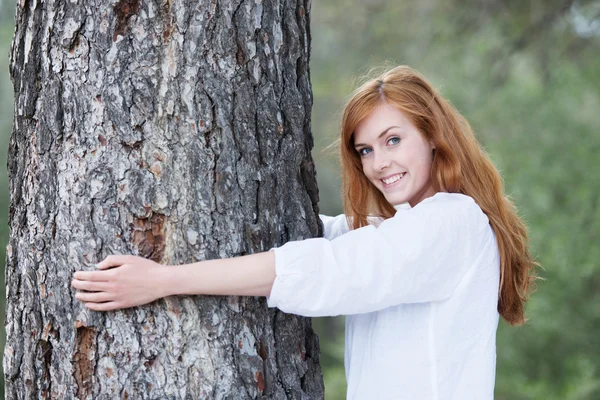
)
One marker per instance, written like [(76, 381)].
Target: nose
[(380, 161)]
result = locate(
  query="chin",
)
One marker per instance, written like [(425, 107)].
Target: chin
[(396, 201)]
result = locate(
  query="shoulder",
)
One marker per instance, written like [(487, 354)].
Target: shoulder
[(443, 199), (443, 214), (449, 205), (447, 227)]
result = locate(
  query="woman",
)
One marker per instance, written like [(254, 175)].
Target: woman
[(423, 283)]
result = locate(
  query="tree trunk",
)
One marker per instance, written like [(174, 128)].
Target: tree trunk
[(177, 131)]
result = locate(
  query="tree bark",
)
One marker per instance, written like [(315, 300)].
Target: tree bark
[(177, 131)]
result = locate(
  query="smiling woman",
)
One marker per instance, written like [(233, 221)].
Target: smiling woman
[(422, 286), (396, 161)]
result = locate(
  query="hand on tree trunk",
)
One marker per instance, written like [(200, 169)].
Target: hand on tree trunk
[(122, 281)]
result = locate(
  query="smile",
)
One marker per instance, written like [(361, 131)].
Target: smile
[(393, 178)]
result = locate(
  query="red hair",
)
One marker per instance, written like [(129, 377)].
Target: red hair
[(460, 165)]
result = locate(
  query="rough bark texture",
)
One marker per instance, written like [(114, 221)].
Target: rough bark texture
[(178, 131)]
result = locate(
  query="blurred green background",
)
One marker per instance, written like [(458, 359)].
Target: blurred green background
[(527, 77)]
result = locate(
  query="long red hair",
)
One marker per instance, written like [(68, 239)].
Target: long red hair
[(460, 165)]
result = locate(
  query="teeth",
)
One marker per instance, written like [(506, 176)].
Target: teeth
[(393, 179)]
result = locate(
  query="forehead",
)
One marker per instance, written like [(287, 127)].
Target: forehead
[(381, 118)]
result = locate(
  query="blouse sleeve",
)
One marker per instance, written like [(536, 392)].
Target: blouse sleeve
[(419, 255), (334, 226), (337, 226)]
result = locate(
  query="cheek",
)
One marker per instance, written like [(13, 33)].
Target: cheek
[(427, 157), (425, 163), (365, 166)]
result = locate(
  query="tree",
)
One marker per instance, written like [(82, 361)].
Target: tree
[(178, 131)]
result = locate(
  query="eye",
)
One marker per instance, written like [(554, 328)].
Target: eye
[(364, 151), (393, 140)]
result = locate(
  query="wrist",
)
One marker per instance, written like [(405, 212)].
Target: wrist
[(168, 281)]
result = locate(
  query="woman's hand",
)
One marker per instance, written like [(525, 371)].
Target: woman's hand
[(121, 281)]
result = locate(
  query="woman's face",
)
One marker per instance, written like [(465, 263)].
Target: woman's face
[(395, 156)]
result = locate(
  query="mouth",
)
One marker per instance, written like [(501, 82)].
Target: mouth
[(390, 180)]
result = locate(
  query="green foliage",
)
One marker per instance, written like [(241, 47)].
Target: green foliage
[(530, 87)]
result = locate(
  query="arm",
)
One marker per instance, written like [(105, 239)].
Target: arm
[(251, 275), (419, 255), (124, 281)]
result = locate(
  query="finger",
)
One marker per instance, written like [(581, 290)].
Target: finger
[(99, 276), (114, 260), (94, 297), (108, 306), (90, 286)]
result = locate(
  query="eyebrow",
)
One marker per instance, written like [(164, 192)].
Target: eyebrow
[(356, 145)]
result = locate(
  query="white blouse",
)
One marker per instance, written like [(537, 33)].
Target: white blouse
[(420, 292)]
